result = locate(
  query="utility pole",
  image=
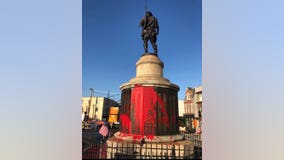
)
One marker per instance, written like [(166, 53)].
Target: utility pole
[(96, 108)]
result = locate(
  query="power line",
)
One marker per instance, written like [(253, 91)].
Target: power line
[(102, 91), (106, 92)]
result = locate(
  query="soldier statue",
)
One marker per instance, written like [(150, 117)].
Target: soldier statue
[(150, 30)]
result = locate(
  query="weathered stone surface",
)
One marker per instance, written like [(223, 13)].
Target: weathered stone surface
[(149, 65), (149, 103), (149, 72)]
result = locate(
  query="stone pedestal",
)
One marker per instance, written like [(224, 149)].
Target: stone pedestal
[(149, 125), (149, 72), (149, 102)]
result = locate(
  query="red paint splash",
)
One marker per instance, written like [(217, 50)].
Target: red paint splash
[(125, 123), (137, 138), (143, 112)]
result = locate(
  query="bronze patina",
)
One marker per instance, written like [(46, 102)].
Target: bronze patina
[(150, 30)]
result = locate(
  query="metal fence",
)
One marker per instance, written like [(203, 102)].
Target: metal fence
[(193, 137), (153, 151), (95, 151), (196, 139), (132, 151), (94, 147)]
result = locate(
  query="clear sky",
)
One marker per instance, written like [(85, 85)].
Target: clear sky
[(111, 42)]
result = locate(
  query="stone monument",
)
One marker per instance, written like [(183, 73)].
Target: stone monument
[(149, 108)]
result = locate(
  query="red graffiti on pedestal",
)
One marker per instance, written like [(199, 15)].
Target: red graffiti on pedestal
[(142, 123)]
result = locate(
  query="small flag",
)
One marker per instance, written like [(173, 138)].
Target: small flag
[(104, 130)]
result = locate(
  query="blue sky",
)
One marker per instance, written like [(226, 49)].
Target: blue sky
[(111, 42)]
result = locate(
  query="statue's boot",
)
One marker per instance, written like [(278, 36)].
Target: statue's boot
[(146, 48), (155, 49)]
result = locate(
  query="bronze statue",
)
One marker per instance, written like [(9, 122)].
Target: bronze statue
[(150, 30)]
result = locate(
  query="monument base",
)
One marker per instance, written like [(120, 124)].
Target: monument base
[(117, 148), (157, 139)]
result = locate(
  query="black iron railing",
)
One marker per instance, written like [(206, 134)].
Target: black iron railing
[(95, 147)]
